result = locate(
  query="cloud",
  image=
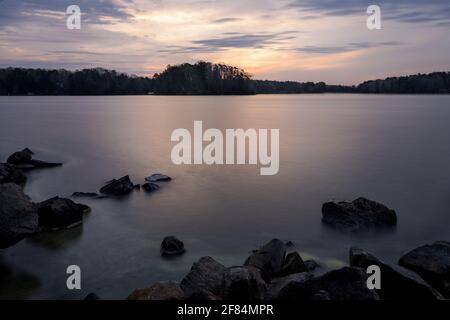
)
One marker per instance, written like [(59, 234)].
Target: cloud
[(225, 20), (436, 12), (349, 47)]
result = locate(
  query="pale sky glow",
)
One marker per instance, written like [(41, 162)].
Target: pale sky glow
[(303, 40)]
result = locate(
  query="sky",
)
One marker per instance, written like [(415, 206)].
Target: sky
[(300, 40)]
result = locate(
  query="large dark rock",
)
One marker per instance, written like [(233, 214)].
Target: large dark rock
[(342, 284), (243, 284), (292, 264), (357, 215), (21, 157), (172, 246), (158, 291), (118, 187), (60, 213), (278, 284), (205, 276), (269, 258), (396, 283), (18, 215), (432, 263), (9, 173)]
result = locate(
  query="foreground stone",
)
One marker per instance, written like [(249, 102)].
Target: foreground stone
[(205, 277), (18, 215), (396, 283), (342, 284), (9, 173), (243, 283), (158, 291), (269, 258), (357, 215), (92, 296), (158, 177), (278, 284), (432, 263), (292, 264), (60, 213), (172, 246), (118, 187)]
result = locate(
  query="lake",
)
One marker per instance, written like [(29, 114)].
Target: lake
[(392, 149)]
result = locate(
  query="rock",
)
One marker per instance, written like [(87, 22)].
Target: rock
[(292, 264), (60, 213), (137, 187), (21, 157), (269, 258), (85, 194), (289, 244), (158, 177), (432, 263), (150, 187), (342, 284), (118, 187), (396, 283), (311, 265), (158, 291), (321, 295), (243, 284), (92, 296), (205, 275), (357, 215), (44, 164), (9, 173), (172, 246), (277, 284), (24, 160), (18, 215)]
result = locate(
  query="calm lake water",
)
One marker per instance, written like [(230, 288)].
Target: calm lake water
[(393, 149)]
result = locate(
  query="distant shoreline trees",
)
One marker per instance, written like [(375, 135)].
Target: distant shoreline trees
[(201, 78)]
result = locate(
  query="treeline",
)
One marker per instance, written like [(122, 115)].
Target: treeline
[(19, 81), (436, 82), (201, 78)]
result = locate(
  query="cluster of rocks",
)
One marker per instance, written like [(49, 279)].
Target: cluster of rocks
[(19, 216), (270, 274), (124, 186)]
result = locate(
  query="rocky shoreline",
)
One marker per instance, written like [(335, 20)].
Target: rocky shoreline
[(273, 272)]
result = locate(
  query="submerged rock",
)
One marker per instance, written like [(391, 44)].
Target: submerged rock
[(44, 164), (85, 194), (172, 246), (432, 263), (9, 173), (292, 264), (396, 283), (150, 187), (158, 177), (60, 213), (357, 215), (118, 187), (311, 265), (18, 215), (158, 291), (243, 284), (205, 276), (91, 297), (269, 258), (342, 284)]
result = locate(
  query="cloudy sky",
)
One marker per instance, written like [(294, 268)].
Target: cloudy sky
[(303, 40)]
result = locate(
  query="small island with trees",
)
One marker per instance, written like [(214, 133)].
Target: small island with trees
[(201, 78)]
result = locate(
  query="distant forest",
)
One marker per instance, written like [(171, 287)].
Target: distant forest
[(201, 78)]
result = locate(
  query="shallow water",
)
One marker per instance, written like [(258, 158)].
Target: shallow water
[(393, 149)]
